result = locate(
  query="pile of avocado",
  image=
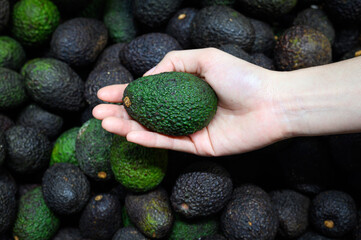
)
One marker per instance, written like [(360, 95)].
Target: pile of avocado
[(63, 177)]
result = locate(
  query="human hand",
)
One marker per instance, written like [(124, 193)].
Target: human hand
[(246, 119)]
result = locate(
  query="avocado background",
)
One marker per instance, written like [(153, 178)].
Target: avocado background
[(119, 41)]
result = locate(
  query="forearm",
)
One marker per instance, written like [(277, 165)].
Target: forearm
[(320, 100)]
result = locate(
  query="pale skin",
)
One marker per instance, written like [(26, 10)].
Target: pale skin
[(256, 107)]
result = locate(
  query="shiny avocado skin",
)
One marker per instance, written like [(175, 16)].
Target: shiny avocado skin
[(171, 103)]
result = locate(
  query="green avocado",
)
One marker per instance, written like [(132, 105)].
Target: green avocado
[(64, 148), (33, 21), (12, 89), (92, 149), (185, 229), (12, 54), (150, 212), (35, 221), (119, 20), (171, 103), (136, 167)]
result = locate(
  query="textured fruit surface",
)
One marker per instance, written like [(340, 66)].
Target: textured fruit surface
[(193, 229), (64, 147), (217, 25), (150, 212), (12, 54), (33, 21), (66, 189), (35, 221), (92, 149), (172, 103), (53, 84), (301, 47), (12, 89), (136, 167)]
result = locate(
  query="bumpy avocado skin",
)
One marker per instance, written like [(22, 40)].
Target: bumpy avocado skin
[(35, 221), (154, 13), (249, 215), (136, 167), (193, 229), (46, 122), (129, 233), (228, 3), (292, 208), (8, 204), (64, 148), (146, 51), (266, 8), (114, 73), (66, 189), (12, 54), (180, 26), (92, 150), (236, 50), (119, 20), (302, 47), (101, 217), (110, 55), (347, 11), (79, 41), (4, 13), (150, 212), (171, 103), (317, 19), (262, 60), (336, 208), (217, 25), (201, 193), (12, 89), (264, 41), (28, 150), (33, 21), (53, 85)]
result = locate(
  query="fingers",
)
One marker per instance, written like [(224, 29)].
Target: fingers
[(121, 126), (190, 61), (112, 93), (156, 140), (102, 111)]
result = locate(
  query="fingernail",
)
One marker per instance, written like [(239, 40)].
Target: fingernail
[(150, 71)]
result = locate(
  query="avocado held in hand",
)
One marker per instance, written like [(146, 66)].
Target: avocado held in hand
[(172, 103)]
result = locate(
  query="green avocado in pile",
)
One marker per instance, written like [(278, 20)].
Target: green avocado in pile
[(171, 103)]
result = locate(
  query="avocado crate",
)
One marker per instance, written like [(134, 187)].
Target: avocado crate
[(63, 176)]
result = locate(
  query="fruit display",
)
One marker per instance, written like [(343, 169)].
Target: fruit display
[(64, 177)]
